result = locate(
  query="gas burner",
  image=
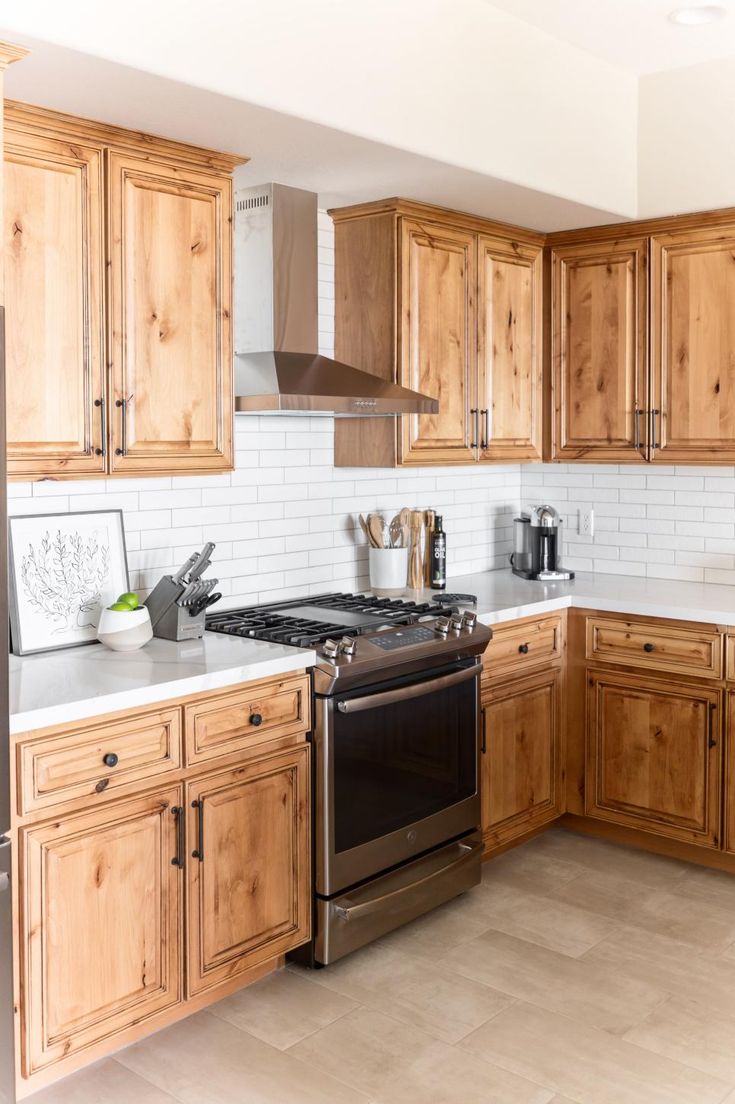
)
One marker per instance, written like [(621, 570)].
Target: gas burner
[(307, 622)]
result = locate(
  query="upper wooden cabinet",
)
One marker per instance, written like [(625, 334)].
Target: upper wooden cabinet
[(160, 322), (599, 350), (54, 326), (448, 305), (693, 347)]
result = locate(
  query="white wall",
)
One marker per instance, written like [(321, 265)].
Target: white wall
[(285, 521)]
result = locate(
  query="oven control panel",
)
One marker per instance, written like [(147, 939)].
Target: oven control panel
[(403, 638)]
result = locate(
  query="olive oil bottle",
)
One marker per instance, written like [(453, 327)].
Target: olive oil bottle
[(438, 546)]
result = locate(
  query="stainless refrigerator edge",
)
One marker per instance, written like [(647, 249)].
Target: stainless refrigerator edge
[(7, 1060)]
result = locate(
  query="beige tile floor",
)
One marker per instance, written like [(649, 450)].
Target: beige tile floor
[(577, 972)]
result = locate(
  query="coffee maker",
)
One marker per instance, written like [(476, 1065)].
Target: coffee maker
[(537, 545)]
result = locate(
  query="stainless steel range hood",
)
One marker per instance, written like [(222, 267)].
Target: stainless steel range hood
[(277, 367)]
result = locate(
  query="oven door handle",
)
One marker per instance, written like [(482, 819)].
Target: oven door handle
[(350, 911), (405, 693)]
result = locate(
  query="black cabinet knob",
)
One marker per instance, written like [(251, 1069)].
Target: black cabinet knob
[(523, 649), (648, 647), (110, 760), (256, 719)]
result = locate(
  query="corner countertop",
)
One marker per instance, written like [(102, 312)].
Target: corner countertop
[(502, 596), (76, 683)]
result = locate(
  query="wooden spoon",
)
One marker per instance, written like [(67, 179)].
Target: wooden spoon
[(364, 527), (376, 529)]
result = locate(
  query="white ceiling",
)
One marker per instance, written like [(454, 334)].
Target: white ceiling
[(635, 35)]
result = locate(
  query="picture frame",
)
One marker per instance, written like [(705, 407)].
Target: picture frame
[(63, 570)]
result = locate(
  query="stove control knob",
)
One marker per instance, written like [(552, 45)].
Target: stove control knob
[(441, 625), (455, 622), (469, 620), (347, 646), (331, 648)]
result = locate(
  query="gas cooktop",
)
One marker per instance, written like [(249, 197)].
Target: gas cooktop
[(306, 622)]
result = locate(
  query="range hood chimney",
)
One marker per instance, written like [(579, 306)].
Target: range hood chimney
[(277, 366)]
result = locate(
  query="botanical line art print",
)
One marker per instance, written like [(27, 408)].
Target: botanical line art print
[(64, 570), (63, 577)]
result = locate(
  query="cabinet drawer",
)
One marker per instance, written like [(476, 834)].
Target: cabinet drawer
[(247, 718), (98, 760), (655, 647), (518, 647)]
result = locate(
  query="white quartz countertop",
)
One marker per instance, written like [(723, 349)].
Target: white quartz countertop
[(74, 683), (502, 596)]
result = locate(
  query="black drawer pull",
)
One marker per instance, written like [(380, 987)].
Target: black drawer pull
[(110, 760), (256, 719), (523, 649), (648, 647), (199, 852), (178, 859)]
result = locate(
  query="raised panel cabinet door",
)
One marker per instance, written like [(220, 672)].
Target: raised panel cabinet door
[(438, 341), (654, 756), (100, 944), (509, 350), (693, 348), (170, 295), (54, 327), (521, 782), (729, 831), (249, 868), (599, 351)]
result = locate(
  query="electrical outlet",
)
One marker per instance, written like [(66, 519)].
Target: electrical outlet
[(586, 523)]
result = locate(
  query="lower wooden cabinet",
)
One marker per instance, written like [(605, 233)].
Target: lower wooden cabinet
[(654, 756), (248, 872), (101, 922), (521, 783)]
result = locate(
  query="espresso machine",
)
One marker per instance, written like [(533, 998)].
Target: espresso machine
[(537, 546)]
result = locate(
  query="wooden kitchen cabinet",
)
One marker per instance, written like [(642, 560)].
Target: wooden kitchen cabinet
[(54, 323), (599, 350), (522, 756), (169, 310), (249, 873), (101, 925), (693, 347), (448, 305), (129, 371), (510, 384), (654, 756)]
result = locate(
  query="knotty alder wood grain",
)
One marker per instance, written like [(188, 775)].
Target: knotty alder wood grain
[(170, 290), (53, 250), (510, 387), (654, 754), (651, 645), (599, 321), (693, 369)]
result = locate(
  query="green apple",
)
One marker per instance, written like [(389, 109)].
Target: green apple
[(121, 607), (129, 599)]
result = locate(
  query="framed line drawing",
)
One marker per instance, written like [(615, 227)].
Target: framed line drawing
[(63, 570)]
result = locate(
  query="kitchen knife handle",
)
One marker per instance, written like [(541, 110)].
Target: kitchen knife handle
[(198, 853), (102, 407)]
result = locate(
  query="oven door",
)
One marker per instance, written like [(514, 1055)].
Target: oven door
[(396, 772)]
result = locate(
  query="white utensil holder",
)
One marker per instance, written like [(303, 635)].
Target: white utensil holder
[(388, 568)]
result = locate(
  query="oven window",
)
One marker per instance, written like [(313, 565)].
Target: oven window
[(397, 764)]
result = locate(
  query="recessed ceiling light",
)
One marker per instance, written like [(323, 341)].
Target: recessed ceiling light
[(696, 17)]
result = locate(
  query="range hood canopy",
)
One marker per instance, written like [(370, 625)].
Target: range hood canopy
[(277, 368)]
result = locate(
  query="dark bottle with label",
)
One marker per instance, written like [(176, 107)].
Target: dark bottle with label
[(438, 546)]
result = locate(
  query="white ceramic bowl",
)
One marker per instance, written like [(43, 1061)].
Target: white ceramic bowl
[(125, 631)]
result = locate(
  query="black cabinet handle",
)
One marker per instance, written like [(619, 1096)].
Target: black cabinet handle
[(198, 853), (474, 410), (102, 407), (484, 442), (711, 742), (654, 443), (256, 719), (638, 414), (178, 859), (122, 405), (110, 760), (648, 647), (523, 649)]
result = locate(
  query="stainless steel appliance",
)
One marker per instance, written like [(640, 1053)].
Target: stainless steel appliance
[(396, 755), (537, 545), (7, 1054), (277, 368)]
